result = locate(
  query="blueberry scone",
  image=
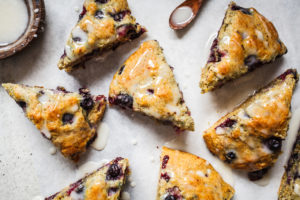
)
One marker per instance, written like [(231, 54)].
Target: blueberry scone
[(290, 183), (102, 25), (245, 41), (104, 184), (68, 119), (146, 84), (184, 176), (249, 138)]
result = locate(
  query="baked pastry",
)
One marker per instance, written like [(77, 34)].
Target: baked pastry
[(102, 25), (186, 176), (68, 119), (245, 41), (145, 83), (104, 184), (249, 138), (290, 183)]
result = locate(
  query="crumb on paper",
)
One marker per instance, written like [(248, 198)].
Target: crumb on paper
[(132, 184), (134, 142)]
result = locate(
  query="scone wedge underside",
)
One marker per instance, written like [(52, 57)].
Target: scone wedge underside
[(245, 41), (250, 137), (290, 182), (105, 183), (68, 119), (102, 25), (186, 176), (145, 83)]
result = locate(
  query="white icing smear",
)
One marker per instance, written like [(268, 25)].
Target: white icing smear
[(102, 137), (52, 150), (182, 15), (297, 189), (77, 196), (125, 196), (89, 167), (38, 198), (13, 20)]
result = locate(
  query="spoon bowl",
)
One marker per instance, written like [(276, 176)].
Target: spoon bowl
[(184, 14), (36, 15)]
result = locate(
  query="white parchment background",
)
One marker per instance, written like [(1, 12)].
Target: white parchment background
[(26, 167)]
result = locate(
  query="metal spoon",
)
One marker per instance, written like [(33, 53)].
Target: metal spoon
[(184, 14)]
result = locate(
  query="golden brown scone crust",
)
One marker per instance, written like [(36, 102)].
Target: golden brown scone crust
[(46, 109), (188, 177), (146, 83), (96, 186), (246, 40), (249, 137), (101, 26), (290, 182)]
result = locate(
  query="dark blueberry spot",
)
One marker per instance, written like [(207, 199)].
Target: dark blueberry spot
[(227, 123), (64, 54), (127, 30), (256, 175), (67, 118), (83, 12), (287, 72), (22, 104), (215, 54), (99, 14), (150, 91), (124, 100), (121, 70), (76, 39), (87, 103), (84, 92), (73, 187), (165, 176), (113, 172), (120, 15), (61, 89), (101, 1), (274, 143), (175, 193), (244, 10), (212, 55), (170, 197), (79, 189), (230, 156), (165, 161), (112, 191), (252, 62)]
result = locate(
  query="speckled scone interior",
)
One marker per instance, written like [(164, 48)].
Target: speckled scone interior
[(184, 176), (102, 25), (250, 137), (104, 184), (146, 83), (246, 40), (68, 119), (290, 183)]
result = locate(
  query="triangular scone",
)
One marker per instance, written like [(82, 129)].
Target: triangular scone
[(102, 25), (68, 119), (146, 83), (186, 176), (246, 40), (290, 183), (104, 184), (250, 137)]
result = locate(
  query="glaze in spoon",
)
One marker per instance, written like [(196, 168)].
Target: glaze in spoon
[(184, 14)]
